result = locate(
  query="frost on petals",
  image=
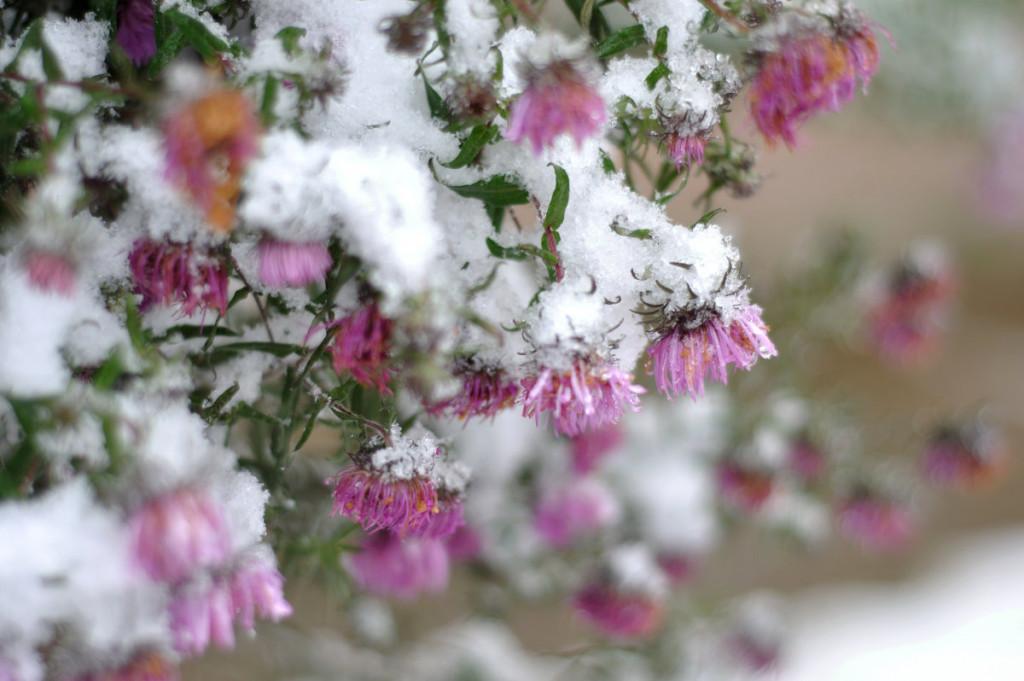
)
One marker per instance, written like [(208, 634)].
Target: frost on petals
[(361, 346), (683, 357), (175, 274), (287, 263), (177, 533), (390, 566), (593, 394)]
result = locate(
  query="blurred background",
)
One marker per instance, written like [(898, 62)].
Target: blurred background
[(936, 154)]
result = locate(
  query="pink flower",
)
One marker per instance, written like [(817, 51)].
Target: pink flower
[(167, 273), (678, 568), (810, 73), (620, 615), (686, 150), (757, 655), (573, 511), (484, 393), (50, 272), (136, 31), (257, 588), (387, 565), (806, 460), (200, 617), (464, 544), (683, 357), (592, 395), (557, 99), (149, 666), (589, 448), (377, 501), (905, 324), (208, 143), (963, 458), (177, 533), (743, 489), (288, 263), (446, 519), (876, 523), (361, 347)]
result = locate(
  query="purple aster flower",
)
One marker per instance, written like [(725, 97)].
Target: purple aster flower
[(390, 566), (876, 523), (257, 589), (50, 272), (686, 150), (177, 533), (289, 263), (377, 501), (683, 357), (589, 448), (578, 509), (964, 457), (618, 614), (806, 460), (678, 568), (485, 391), (557, 99), (464, 544), (136, 30), (201, 616), (361, 347), (167, 273), (591, 395), (744, 489)]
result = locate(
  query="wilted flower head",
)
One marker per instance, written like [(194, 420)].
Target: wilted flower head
[(574, 510), (593, 394), (702, 344), (290, 263), (257, 589), (876, 522), (407, 33), (625, 601), (390, 566), (965, 456), (590, 447), (166, 273), (50, 272), (136, 29), (744, 488), (361, 347), (209, 142), (812, 69), (558, 99), (177, 533), (485, 391), (201, 616), (686, 150)]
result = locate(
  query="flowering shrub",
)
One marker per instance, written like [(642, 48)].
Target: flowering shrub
[(241, 234)]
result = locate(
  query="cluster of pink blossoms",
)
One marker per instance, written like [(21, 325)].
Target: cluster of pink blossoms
[(591, 395), (168, 273), (811, 72), (684, 356)]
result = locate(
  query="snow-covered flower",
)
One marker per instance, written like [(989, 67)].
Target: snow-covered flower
[(289, 263), (361, 346), (388, 565), (593, 394), (136, 29), (590, 447), (166, 273), (686, 150), (50, 271), (485, 391), (257, 589)]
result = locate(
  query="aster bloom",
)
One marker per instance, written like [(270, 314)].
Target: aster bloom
[(257, 589), (810, 72), (200, 617), (905, 323), (178, 533), (485, 391), (618, 614), (578, 509), (686, 150), (288, 263), (168, 274), (379, 503), (962, 458), (387, 565), (678, 568), (136, 29), (557, 99), (208, 144), (50, 272), (593, 394), (589, 448), (743, 489), (361, 347), (685, 355), (876, 523)]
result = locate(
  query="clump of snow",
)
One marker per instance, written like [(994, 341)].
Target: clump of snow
[(409, 457)]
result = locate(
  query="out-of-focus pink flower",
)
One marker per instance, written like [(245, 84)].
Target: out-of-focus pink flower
[(390, 566), (200, 617), (1003, 175), (678, 568), (589, 448), (209, 142), (446, 518), (136, 29), (683, 357), (809, 73), (876, 523), (575, 510), (742, 488), (806, 460), (257, 588), (964, 458), (149, 666), (464, 544), (591, 395), (906, 322), (50, 272), (756, 654), (686, 150), (361, 347), (484, 393), (177, 533), (169, 274), (377, 501), (289, 263), (619, 615), (557, 99)]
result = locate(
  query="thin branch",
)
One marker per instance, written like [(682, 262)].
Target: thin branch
[(256, 297), (726, 15)]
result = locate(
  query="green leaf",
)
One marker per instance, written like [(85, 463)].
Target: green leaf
[(213, 411), (629, 37), (656, 74), (198, 36), (559, 199), (607, 164), (478, 138), (707, 217), (51, 65), (510, 253), (496, 213), (661, 42), (496, 191), (271, 348), (438, 107), (310, 424), (270, 88), (631, 233), (289, 37)]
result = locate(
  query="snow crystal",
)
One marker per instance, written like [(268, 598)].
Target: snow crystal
[(408, 457)]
